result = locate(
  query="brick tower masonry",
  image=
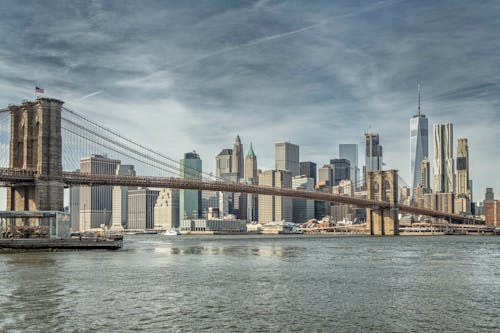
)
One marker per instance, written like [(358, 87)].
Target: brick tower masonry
[(36, 144)]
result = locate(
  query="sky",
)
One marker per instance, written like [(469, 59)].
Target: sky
[(179, 76)]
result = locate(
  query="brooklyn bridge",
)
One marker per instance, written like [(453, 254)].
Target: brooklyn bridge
[(42, 142)]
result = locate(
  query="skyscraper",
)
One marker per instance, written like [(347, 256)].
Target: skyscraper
[(341, 170), (140, 208), (237, 159), (287, 157), (419, 145), (190, 204), (166, 211), (489, 195), (349, 151), (303, 209), (425, 175), (223, 162), (251, 165), (120, 198), (373, 152), (443, 158), (462, 178), (308, 169), (96, 202), (275, 208)]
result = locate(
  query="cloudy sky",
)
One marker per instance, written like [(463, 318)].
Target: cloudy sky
[(189, 75)]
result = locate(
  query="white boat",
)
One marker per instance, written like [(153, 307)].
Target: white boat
[(171, 232)]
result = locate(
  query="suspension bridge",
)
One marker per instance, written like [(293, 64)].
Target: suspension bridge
[(42, 142)]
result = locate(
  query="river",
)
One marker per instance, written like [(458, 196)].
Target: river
[(283, 283)]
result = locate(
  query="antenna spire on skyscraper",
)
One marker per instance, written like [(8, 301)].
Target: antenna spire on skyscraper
[(419, 113)]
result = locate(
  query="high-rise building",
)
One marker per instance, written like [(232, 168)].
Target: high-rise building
[(251, 165), (492, 213), (308, 169), (223, 162), (166, 210), (325, 175), (349, 151), (425, 175), (190, 204), (120, 198), (443, 158), (341, 169), (303, 209), (489, 195), (275, 208), (463, 190), (238, 166), (96, 202), (141, 204), (419, 145), (74, 207), (287, 157), (373, 154)]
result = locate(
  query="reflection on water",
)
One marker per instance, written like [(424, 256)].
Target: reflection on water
[(233, 283)]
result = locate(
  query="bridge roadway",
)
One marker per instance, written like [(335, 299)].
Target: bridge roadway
[(18, 177)]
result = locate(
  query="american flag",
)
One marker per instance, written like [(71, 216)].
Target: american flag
[(39, 90)]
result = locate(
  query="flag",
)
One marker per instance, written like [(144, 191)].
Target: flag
[(39, 90)]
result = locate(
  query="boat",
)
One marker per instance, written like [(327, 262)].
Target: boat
[(171, 232), (147, 232)]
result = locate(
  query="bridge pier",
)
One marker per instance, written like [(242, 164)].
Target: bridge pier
[(383, 186), (36, 144)]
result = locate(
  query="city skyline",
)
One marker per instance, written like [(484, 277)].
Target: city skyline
[(224, 71)]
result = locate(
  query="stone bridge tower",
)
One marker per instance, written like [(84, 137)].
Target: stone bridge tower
[(383, 186), (36, 144)]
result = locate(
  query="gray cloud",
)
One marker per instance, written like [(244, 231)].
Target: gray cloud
[(316, 73)]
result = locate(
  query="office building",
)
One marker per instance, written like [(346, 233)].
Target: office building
[(238, 166), (463, 190), (341, 170), (303, 209), (190, 203), (443, 158), (309, 169), (325, 175), (74, 207), (287, 157), (166, 210), (425, 175), (96, 202), (275, 208), (373, 152), (120, 198), (349, 151), (141, 204), (251, 165), (492, 212), (419, 145), (489, 195), (223, 162)]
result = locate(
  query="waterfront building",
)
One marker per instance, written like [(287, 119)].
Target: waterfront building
[(349, 151), (275, 208), (96, 202), (492, 212), (166, 210), (341, 170), (443, 158), (120, 198), (214, 225), (141, 205), (308, 169), (303, 209), (419, 145), (287, 157), (190, 203), (238, 166)]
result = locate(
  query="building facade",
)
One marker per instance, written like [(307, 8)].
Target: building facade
[(349, 151), (419, 145), (141, 204), (443, 158), (120, 198), (287, 157), (223, 162), (341, 170), (303, 209), (309, 169), (238, 165), (251, 165), (96, 202), (190, 203), (275, 208), (166, 210)]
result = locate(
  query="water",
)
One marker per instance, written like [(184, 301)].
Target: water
[(248, 284)]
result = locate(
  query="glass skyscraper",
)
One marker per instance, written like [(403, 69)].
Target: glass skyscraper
[(349, 151), (419, 145), (190, 203)]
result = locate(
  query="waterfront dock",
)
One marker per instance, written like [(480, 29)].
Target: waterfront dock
[(62, 244)]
